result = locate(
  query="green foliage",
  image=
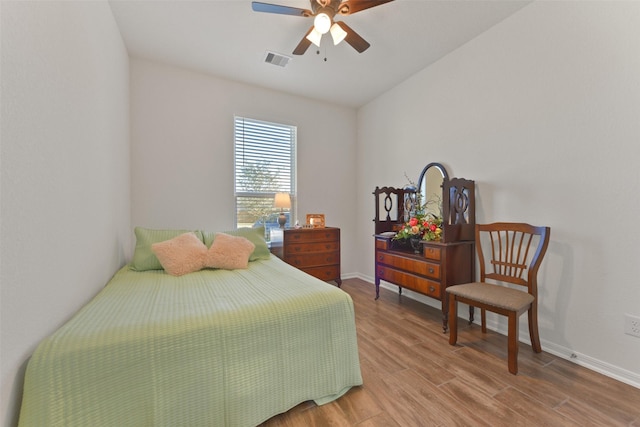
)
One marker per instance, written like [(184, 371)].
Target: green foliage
[(258, 177), (260, 181)]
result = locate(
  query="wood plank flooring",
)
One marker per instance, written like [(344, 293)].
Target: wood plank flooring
[(413, 377)]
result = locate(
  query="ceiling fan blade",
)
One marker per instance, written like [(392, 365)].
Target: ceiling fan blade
[(304, 43), (352, 6), (281, 10), (357, 42)]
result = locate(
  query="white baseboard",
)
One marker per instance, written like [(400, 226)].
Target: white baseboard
[(352, 276), (581, 359), (578, 358)]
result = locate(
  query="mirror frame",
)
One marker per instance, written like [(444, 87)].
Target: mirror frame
[(423, 174)]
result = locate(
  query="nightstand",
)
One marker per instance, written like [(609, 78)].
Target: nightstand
[(315, 251)]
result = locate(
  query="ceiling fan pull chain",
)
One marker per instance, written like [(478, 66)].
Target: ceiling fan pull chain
[(325, 53)]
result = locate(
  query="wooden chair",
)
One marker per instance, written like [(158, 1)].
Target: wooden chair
[(512, 249)]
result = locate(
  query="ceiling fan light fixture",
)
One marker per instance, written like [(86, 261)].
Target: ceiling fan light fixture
[(314, 37), (337, 33), (323, 12), (322, 23)]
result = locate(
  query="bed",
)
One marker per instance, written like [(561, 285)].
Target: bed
[(210, 348)]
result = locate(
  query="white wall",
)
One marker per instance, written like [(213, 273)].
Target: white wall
[(543, 112), (182, 150), (65, 171)]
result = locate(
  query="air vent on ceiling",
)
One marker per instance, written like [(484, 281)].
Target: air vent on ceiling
[(276, 59)]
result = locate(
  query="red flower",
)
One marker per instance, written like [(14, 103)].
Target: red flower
[(413, 222), (433, 227)]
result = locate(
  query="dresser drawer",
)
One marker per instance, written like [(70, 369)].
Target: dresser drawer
[(432, 252), (329, 272), (421, 267), (312, 235), (410, 281), (314, 259), (299, 248), (382, 244)]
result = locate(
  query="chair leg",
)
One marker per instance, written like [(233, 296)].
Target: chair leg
[(513, 343), (533, 328), (483, 320), (453, 320)]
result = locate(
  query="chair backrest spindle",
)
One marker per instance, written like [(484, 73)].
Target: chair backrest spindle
[(511, 259)]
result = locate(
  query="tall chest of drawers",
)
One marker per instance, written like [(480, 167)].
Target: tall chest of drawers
[(428, 273), (315, 251)]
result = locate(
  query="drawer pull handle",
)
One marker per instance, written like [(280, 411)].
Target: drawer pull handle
[(431, 270), (432, 289), (381, 257)]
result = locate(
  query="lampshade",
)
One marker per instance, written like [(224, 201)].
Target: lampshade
[(314, 37), (282, 201), (337, 33)]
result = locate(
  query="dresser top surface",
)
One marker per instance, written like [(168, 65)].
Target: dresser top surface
[(310, 228), (429, 242)]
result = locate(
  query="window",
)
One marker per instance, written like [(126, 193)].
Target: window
[(265, 164)]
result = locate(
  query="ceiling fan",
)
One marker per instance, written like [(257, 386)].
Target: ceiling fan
[(323, 12)]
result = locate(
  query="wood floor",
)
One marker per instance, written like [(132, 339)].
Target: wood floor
[(413, 377)]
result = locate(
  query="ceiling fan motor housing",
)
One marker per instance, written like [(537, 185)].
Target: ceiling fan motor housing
[(330, 7)]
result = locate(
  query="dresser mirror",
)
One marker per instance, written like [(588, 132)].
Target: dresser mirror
[(430, 187), (452, 199)]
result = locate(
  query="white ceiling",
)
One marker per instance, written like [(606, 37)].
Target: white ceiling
[(226, 38)]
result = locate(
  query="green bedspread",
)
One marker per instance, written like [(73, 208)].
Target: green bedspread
[(212, 348)]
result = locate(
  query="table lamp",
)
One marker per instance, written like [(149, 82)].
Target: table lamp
[(282, 201)]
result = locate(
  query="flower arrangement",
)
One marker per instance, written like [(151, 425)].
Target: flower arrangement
[(424, 227), (423, 224)]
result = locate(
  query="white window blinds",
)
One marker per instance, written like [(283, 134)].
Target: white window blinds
[(265, 163)]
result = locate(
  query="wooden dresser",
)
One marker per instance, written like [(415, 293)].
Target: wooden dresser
[(440, 265), (315, 251), (437, 264)]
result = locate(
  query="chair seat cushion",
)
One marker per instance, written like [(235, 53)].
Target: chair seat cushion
[(495, 295)]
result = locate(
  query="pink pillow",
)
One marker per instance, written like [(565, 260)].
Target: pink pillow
[(229, 252), (183, 254)]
